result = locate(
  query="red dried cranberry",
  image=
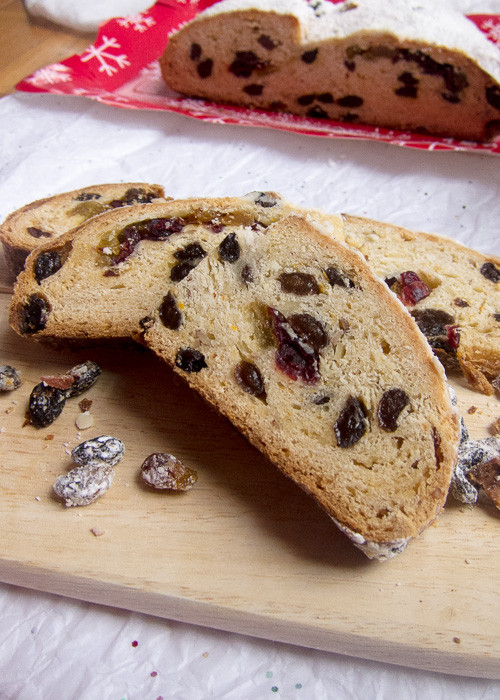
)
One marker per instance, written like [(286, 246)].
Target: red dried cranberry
[(390, 406), (352, 423), (46, 264), (190, 360), (169, 312), (413, 289), (229, 249), (249, 378), (128, 239), (299, 283), (294, 357), (453, 336)]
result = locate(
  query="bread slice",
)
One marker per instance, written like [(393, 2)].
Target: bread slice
[(419, 66), (98, 280), (289, 334), (26, 228), (457, 301)]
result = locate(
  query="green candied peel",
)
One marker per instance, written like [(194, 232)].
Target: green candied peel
[(88, 209)]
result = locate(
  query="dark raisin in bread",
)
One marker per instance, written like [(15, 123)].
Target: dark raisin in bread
[(289, 334), (419, 66), (452, 292), (46, 219), (100, 279)]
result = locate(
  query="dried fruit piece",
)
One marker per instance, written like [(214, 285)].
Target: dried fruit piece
[(487, 475), (169, 312), (84, 484), (490, 271), (338, 277), (10, 378), (164, 471), (100, 450), (310, 56), (413, 289), (204, 68), (390, 406), (439, 328), (245, 63), (229, 249), (294, 357), (352, 423), (299, 283), (249, 378), (45, 404), (309, 329), (47, 264), (85, 375), (190, 256), (190, 360), (34, 314), (38, 232)]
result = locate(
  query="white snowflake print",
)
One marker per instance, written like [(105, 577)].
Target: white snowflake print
[(56, 73), (492, 30), (109, 62), (138, 22)]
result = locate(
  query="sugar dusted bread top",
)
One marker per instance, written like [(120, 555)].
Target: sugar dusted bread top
[(291, 336), (45, 219), (393, 63)]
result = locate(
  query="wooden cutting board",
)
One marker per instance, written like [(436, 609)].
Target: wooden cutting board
[(245, 550)]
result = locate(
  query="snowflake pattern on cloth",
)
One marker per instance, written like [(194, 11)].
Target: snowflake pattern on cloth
[(121, 69)]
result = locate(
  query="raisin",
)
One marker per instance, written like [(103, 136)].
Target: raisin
[(294, 357), (407, 91), (266, 42), (337, 277), (439, 329), (46, 264), (391, 281), (490, 271), (350, 101), (317, 112), (94, 452), (134, 195), (204, 68), (265, 199), (493, 96), (192, 253), (10, 378), (352, 423), (247, 274), (84, 484), (253, 89), (85, 375), (460, 302), (45, 404), (408, 78), (309, 329), (38, 232), (245, 63), (310, 56), (190, 360), (299, 283), (229, 249), (305, 100), (34, 315), (451, 97), (496, 316), (325, 98), (249, 378), (169, 313), (195, 52), (390, 406), (128, 240), (180, 271), (164, 471), (350, 65), (413, 289), (321, 399), (86, 196)]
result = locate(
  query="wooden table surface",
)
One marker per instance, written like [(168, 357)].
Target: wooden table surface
[(28, 44)]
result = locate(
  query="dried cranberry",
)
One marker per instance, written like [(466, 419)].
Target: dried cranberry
[(310, 56), (229, 249), (38, 232), (190, 360), (249, 378), (128, 240), (34, 314), (245, 63), (490, 271), (413, 289), (337, 277), (309, 329), (161, 229), (45, 404), (46, 264), (352, 423), (294, 357), (453, 336), (390, 406), (169, 312), (299, 283)]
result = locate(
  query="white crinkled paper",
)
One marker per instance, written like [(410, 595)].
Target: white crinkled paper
[(51, 647)]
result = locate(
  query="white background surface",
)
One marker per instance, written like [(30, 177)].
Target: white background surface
[(51, 647)]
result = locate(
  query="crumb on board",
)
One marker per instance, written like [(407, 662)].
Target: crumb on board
[(472, 409), (85, 405), (96, 531), (457, 640), (494, 428), (84, 420)]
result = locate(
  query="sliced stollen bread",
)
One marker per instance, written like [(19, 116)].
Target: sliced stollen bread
[(421, 66), (452, 292), (290, 335), (98, 280), (27, 228)]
